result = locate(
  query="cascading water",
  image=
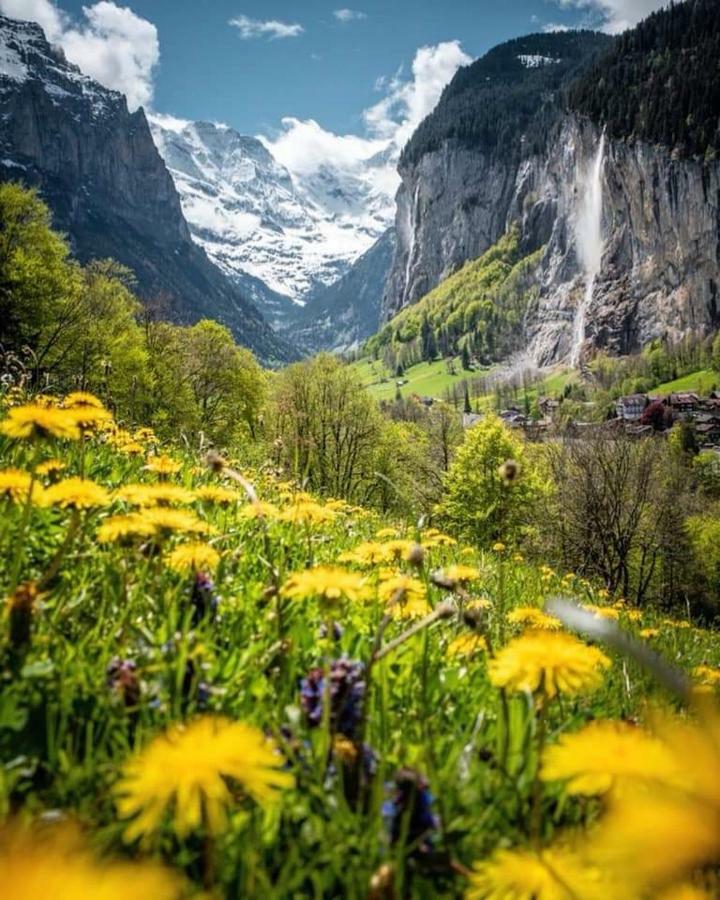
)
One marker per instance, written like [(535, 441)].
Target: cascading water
[(412, 212), (589, 242)]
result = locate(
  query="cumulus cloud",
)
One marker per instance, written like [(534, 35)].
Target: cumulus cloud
[(305, 146), (406, 103), (111, 43), (349, 15), (615, 16), (270, 28), (45, 13)]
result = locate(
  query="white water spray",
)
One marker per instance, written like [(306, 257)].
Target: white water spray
[(412, 212), (589, 242)]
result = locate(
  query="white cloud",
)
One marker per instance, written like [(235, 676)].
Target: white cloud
[(349, 15), (305, 146), (550, 27), (111, 44), (271, 28), (45, 13), (407, 103), (616, 15)]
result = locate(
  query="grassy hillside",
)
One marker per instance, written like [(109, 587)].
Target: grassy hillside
[(479, 308), (162, 656)]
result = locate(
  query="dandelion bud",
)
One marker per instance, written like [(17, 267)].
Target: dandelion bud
[(215, 462), (382, 883), (22, 609), (416, 555), (509, 471)]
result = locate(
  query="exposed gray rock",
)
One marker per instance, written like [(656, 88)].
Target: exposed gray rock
[(97, 167), (661, 230)]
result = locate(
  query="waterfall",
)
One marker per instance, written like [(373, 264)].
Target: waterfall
[(411, 249), (589, 243)]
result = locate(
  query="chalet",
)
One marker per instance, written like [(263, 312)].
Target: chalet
[(548, 406), (683, 401), (708, 432), (631, 408)]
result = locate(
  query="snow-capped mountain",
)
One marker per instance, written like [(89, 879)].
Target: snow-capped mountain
[(283, 235), (97, 167)]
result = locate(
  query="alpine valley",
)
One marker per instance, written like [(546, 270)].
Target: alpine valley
[(605, 197)]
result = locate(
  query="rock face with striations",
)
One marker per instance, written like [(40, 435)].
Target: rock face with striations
[(340, 316), (97, 167), (659, 220)]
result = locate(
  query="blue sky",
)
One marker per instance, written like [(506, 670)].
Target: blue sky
[(328, 72), (306, 60)]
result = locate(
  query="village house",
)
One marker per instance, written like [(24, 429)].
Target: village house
[(631, 407)]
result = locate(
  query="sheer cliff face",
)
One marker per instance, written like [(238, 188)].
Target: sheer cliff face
[(660, 223), (97, 167)]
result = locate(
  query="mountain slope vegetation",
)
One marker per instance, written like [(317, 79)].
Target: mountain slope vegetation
[(660, 81), (479, 309), (505, 102)]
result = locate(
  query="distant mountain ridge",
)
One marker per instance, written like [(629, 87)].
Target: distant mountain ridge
[(281, 236), (97, 167)]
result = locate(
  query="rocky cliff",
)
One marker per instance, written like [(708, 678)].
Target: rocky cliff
[(341, 315), (658, 227), (96, 165)]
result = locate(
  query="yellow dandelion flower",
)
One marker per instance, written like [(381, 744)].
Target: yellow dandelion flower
[(684, 892), (161, 494), (221, 496), (50, 467), (145, 434), (193, 557), (498, 547), (36, 421), (386, 533), (648, 633), (131, 448), (467, 645), (55, 863), (15, 485), (328, 583), (259, 510), (553, 662), (675, 623), (707, 675), (88, 418), (602, 612), (479, 603), (518, 558), (184, 772), (78, 399), (344, 749), (406, 596), (524, 875), (307, 512), (166, 520), (462, 574), (339, 506), (431, 537), (532, 617), (594, 759), (634, 615), (658, 835), (162, 465), (75, 493), (368, 553), (124, 529)]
